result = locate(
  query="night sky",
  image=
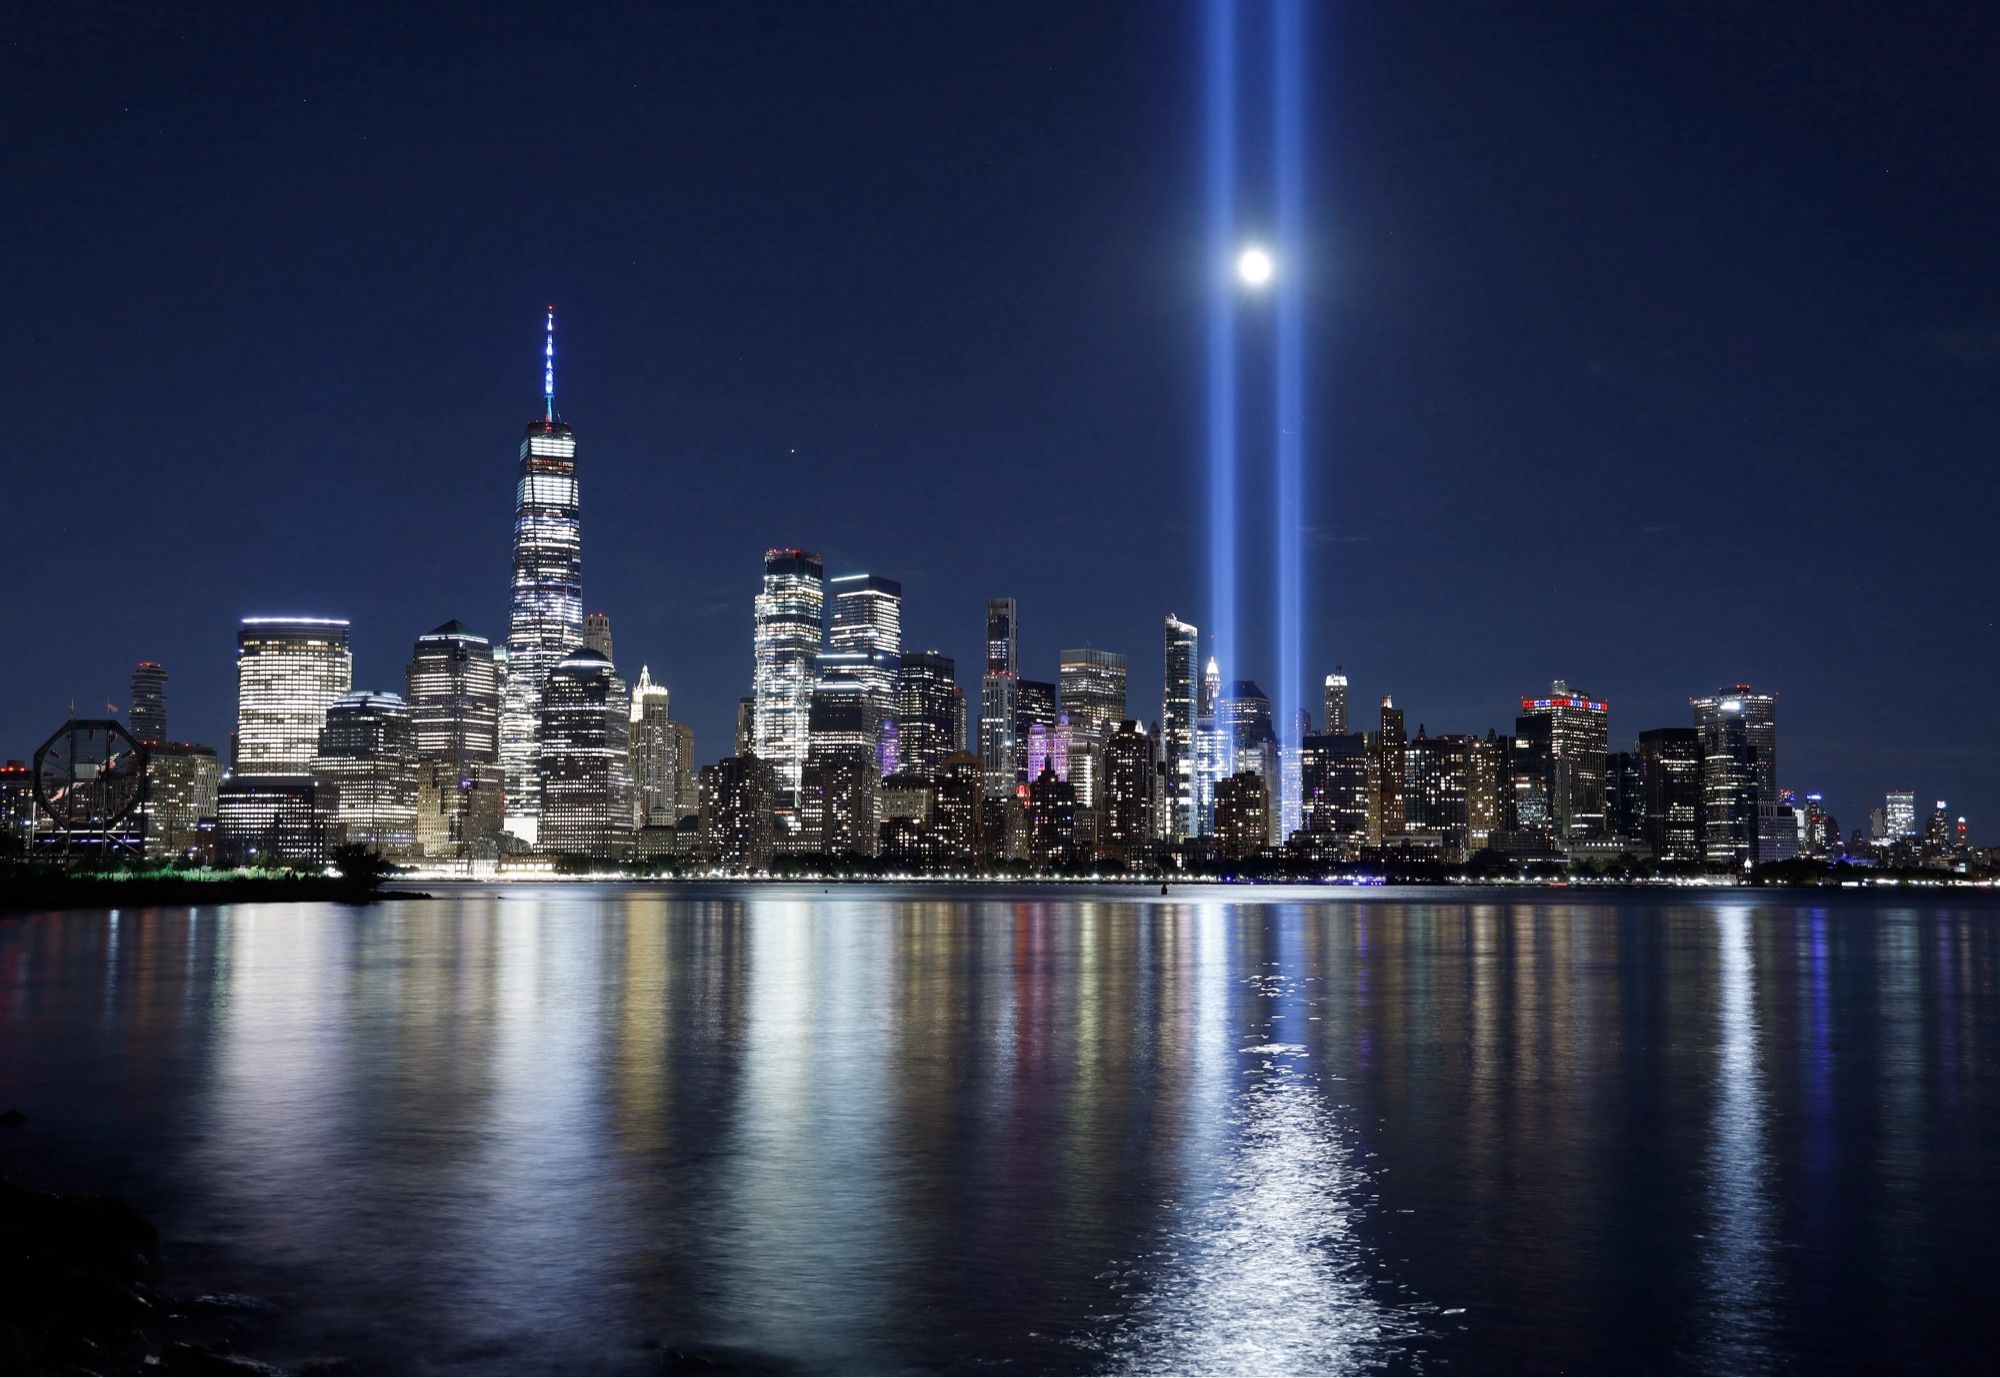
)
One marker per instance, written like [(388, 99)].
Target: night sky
[(1652, 347)]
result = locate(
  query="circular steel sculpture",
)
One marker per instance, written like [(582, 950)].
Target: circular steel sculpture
[(90, 776)]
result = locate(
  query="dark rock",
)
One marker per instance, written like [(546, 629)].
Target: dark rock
[(231, 1301), (327, 1368), (12, 1119)]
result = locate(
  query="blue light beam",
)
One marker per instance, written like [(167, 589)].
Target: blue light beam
[(1219, 49), (1288, 178)]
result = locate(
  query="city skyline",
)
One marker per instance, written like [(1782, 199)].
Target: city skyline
[(1453, 562)]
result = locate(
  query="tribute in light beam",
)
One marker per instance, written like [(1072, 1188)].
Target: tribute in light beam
[(1254, 265), (1288, 420), (1219, 47)]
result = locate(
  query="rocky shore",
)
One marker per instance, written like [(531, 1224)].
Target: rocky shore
[(80, 1292)]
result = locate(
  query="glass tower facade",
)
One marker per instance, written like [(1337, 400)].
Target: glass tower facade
[(1091, 692), (790, 613), (289, 671), (1000, 700), (584, 763), (930, 710), (452, 686), (367, 772), (546, 619), (1577, 734), (1177, 717), (149, 702)]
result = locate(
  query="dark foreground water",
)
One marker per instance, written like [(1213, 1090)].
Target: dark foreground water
[(884, 1130)]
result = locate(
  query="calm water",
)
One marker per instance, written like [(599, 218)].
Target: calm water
[(884, 1130)]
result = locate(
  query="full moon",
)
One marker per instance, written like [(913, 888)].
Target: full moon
[(1254, 266)]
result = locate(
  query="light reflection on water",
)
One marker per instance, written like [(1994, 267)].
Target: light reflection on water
[(1226, 1131)]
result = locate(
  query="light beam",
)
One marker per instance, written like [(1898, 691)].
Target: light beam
[(1287, 178), (1219, 47)]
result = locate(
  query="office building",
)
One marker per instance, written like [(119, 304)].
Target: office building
[(1624, 796), (1899, 812), (584, 761), (1756, 716), (1572, 732), (149, 702), (1335, 702), (366, 771), (1177, 730), (662, 771), (597, 635), (1091, 694), (545, 618), (289, 671), (930, 711), (789, 611), (452, 687), (182, 779)]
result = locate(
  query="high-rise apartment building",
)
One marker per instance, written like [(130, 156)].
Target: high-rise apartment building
[(790, 610), (1577, 734), (1000, 745), (452, 686), (1131, 793), (1438, 793), (366, 771), (545, 619), (1335, 702), (1177, 728), (149, 702), (1334, 771), (1243, 814), (737, 813), (1386, 815), (584, 761)]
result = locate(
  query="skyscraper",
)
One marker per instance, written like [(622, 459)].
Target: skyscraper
[(367, 772), (181, 783), (1336, 702), (1670, 810), (999, 700), (149, 702), (597, 634), (1211, 748), (868, 622), (930, 710), (289, 671), (452, 686), (546, 619), (658, 772), (584, 761), (1091, 694), (1130, 793), (1578, 733), (1387, 817), (1759, 716), (1333, 788), (790, 611), (1177, 728), (736, 813)]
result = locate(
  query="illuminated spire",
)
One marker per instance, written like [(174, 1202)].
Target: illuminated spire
[(549, 370)]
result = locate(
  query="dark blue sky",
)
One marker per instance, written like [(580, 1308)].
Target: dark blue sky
[(1652, 347)]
